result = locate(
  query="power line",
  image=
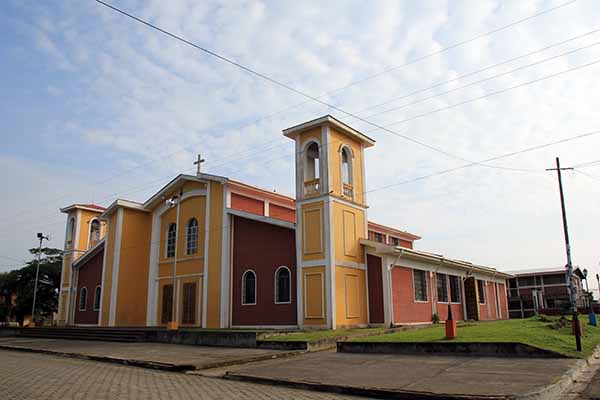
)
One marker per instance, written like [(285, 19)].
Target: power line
[(587, 164)]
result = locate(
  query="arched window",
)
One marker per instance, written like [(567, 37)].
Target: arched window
[(312, 169), (283, 287), (346, 166), (83, 299), (171, 236), (249, 288), (97, 298), (71, 230), (94, 232), (192, 237)]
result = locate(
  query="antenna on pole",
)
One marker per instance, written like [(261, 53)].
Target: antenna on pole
[(198, 164)]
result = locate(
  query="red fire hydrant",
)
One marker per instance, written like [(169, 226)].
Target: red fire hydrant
[(450, 325)]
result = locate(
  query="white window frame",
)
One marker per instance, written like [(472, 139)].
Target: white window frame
[(426, 286), (71, 230), (344, 148), (484, 292), (450, 289), (276, 285), (94, 308), (187, 237), (90, 231), (437, 295), (305, 161), (244, 287), (167, 240), (84, 298)]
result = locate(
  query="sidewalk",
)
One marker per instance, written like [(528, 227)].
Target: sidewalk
[(172, 357), (404, 376)]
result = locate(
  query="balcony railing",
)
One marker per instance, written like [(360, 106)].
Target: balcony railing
[(312, 187), (348, 190)]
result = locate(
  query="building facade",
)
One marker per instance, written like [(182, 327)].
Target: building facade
[(544, 289), (208, 251)]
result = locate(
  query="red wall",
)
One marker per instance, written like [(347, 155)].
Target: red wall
[(283, 213), (503, 301), (405, 308), (248, 204), (90, 276), (375, 278), (263, 248)]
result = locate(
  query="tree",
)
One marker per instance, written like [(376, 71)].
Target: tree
[(22, 282)]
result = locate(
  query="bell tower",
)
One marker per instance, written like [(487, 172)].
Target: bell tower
[(331, 215)]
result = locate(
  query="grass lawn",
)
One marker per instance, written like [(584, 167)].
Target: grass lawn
[(535, 331), (324, 334)]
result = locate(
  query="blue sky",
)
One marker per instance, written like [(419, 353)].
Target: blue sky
[(95, 106)]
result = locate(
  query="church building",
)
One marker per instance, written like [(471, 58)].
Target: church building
[(208, 251)]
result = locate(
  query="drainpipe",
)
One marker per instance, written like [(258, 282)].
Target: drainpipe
[(391, 287), (433, 285)]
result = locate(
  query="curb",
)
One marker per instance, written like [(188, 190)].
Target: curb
[(555, 390), (151, 364), (357, 391)]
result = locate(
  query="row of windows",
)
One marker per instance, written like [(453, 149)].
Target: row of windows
[(191, 238), (283, 286), (447, 287), (380, 237), (83, 299), (94, 235), (312, 169)]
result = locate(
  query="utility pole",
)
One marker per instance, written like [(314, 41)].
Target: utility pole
[(558, 169), (41, 237)]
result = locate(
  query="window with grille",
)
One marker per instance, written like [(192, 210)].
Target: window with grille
[(192, 237), (420, 281), (442, 287), (167, 304), (454, 289), (97, 298), (83, 299), (481, 290), (171, 238), (282, 285), (189, 303), (249, 288)]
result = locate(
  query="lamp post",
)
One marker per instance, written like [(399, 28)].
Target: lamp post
[(41, 237), (591, 315)]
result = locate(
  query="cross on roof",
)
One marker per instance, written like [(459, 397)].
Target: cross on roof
[(198, 164)]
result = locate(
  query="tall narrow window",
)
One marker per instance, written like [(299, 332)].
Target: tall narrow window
[(481, 291), (346, 166), (94, 232), (283, 288), (312, 170), (83, 299), (189, 303), (171, 236), (192, 237), (442, 287), (97, 298), (249, 288), (420, 281), (71, 230), (167, 304), (454, 289)]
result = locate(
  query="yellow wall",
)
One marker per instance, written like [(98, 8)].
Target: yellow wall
[(350, 296), (312, 134), (108, 264), (215, 235), (337, 140), (314, 305), (313, 233), (348, 229), (132, 289)]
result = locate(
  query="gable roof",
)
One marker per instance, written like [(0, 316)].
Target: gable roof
[(88, 207)]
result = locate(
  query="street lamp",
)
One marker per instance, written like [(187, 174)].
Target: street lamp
[(41, 237), (591, 315)]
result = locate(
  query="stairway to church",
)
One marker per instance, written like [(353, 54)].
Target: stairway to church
[(87, 333)]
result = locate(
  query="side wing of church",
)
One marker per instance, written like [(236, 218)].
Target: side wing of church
[(208, 251)]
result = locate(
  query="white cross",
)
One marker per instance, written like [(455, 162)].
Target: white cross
[(198, 164)]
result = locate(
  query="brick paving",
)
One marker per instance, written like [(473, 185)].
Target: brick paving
[(26, 376)]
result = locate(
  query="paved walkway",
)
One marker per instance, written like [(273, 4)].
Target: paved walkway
[(199, 357), (476, 376), (26, 376)]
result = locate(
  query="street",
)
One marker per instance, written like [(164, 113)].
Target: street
[(37, 376)]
